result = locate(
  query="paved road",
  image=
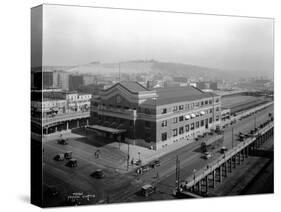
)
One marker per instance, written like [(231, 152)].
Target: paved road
[(124, 187), (190, 159)]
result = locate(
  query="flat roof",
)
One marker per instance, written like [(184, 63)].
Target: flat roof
[(107, 129)]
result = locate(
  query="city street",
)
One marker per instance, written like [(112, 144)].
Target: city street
[(118, 186), (190, 159)]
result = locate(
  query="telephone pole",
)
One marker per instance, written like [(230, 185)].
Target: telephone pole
[(119, 71), (178, 174), (232, 139), (128, 157)]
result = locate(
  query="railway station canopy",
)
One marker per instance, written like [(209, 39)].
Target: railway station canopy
[(107, 129)]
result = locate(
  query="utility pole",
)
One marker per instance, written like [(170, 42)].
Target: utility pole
[(119, 71), (178, 174), (128, 158), (232, 137)]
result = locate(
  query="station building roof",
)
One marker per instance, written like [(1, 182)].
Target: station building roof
[(178, 94), (131, 86), (167, 95)]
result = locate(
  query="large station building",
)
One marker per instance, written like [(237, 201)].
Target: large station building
[(154, 118)]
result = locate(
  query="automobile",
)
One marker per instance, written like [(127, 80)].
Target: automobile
[(223, 149), (241, 137), (98, 174), (142, 169), (68, 155), (155, 163), (72, 163), (59, 157), (207, 155), (138, 162), (147, 190), (62, 141)]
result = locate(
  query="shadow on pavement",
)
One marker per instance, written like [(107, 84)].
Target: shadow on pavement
[(91, 138)]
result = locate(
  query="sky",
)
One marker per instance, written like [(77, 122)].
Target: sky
[(80, 35)]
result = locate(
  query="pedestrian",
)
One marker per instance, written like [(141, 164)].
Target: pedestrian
[(157, 175)]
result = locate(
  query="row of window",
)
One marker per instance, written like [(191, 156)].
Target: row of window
[(187, 128), (149, 111), (182, 118), (191, 106)]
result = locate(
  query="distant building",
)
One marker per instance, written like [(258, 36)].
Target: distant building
[(49, 80), (75, 81), (154, 118), (61, 80), (93, 89), (89, 79), (205, 85), (180, 79), (170, 84), (42, 79)]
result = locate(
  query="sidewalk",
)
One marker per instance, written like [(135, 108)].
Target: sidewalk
[(147, 155)]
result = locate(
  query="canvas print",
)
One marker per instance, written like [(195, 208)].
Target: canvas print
[(132, 105)]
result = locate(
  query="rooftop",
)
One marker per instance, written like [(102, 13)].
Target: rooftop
[(167, 95), (178, 94), (131, 86)]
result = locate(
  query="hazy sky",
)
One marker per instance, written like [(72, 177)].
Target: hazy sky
[(79, 35)]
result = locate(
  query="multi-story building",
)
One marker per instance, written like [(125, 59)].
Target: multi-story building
[(75, 82), (61, 79), (49, 79), (56, 110), (155, 118), (89, 79)]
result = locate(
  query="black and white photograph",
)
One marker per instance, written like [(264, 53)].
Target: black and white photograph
[(132, 105)]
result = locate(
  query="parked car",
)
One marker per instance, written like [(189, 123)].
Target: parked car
[(72, 163), (98, 174), (155, 163), (59, 157), (138, 162), (142, 169), (223, 149), (147, 190), (68, 155), (207, 155), (62, 141)]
